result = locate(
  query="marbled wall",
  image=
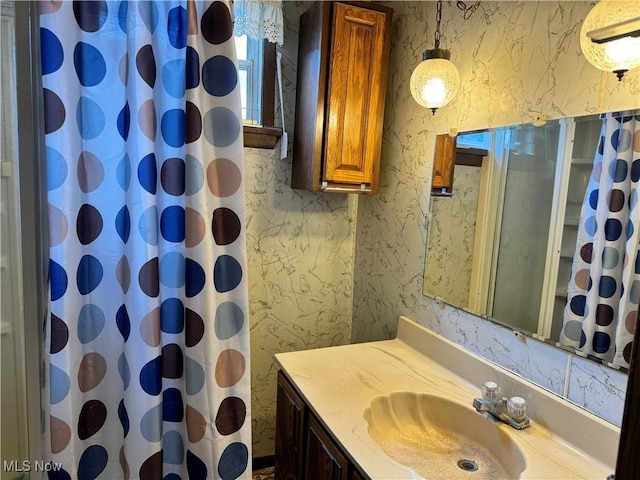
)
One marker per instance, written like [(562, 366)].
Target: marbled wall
[(517, 60), (300, 248), (310, 277), (452, 231)]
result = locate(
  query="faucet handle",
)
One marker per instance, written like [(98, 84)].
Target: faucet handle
[(490, 391), (517, 408)]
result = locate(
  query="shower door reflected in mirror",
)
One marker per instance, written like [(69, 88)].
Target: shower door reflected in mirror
[(502, 247)]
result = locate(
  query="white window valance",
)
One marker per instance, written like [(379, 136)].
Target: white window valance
[(259, 19)]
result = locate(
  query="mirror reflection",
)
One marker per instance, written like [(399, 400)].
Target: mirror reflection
[(503, 246)]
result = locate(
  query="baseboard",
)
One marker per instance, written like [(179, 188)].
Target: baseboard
[(259, 463)]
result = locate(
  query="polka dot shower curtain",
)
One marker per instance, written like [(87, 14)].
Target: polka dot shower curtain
[(147, 338), (604, 290)]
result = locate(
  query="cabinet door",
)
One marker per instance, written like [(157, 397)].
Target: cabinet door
[(324, 459), (290, 430), (443, 163), (356, 475), (357, 87)]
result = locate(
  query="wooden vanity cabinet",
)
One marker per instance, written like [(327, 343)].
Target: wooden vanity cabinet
[(343, 55), (305, 450), (324, 459), (291, 413)]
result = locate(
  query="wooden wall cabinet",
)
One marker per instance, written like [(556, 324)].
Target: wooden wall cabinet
[(343, 57), (447, 155), (444, 161), (305, 450)]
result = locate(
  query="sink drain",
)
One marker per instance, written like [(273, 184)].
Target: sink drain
[(468, 465)]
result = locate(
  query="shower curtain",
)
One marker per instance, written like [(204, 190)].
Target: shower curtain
[(148, 339), (604, 289)]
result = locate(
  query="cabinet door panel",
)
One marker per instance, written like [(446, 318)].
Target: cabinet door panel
[(357, 84), (290, 430), (324, 459), (443, 163)]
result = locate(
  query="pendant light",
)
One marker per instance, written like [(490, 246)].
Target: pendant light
[(435, 81), (610, 36)]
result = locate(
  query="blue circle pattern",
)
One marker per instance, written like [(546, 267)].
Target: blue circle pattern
[(163, 225), (173, 127), (173, 78), (172, 316), (89, 63), (90, 118), (52, 53), (219, 76), (57, 169), (123, 322), (124, 122), (123, 416), (192, 68), (176, 27)]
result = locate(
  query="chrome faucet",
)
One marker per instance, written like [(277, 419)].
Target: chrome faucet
[(512, 411)]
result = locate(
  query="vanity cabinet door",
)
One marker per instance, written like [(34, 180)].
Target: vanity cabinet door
[(290, 432), (356, 475), (325, 461)]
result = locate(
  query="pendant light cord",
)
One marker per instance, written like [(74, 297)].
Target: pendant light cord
[(436, 36)]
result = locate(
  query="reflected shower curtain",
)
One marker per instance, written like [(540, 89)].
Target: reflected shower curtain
[(148, 339), (604, 289)]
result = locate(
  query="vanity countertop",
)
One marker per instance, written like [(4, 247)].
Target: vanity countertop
[(338, 383)]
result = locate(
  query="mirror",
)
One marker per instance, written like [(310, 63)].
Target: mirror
[(502, 247)]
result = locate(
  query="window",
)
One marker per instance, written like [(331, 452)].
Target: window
[(256, 75), (249, 73)]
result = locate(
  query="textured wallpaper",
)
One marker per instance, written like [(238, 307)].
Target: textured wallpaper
[(452, 230), (312, 279), (517, 61), (300, 259)]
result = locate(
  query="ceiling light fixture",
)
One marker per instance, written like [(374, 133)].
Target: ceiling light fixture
[(435, 81), (610, 36)]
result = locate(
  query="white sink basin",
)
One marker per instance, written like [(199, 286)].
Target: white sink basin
[(440, 438)]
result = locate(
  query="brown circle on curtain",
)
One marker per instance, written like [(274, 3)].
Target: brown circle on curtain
[(231, 415), (149, 278), (146, 65), (631, 321), (194, 328), (586, 252), (172, 361), (194, 122), (91, 419), (626, 353), (604, 315), (60, 434), (59, 334), (216, 24), (225, 226), (582, 279), (151, 468), (615, 199)]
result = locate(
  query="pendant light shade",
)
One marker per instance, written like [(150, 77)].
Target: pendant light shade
[(621, 52), (435, 81)]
